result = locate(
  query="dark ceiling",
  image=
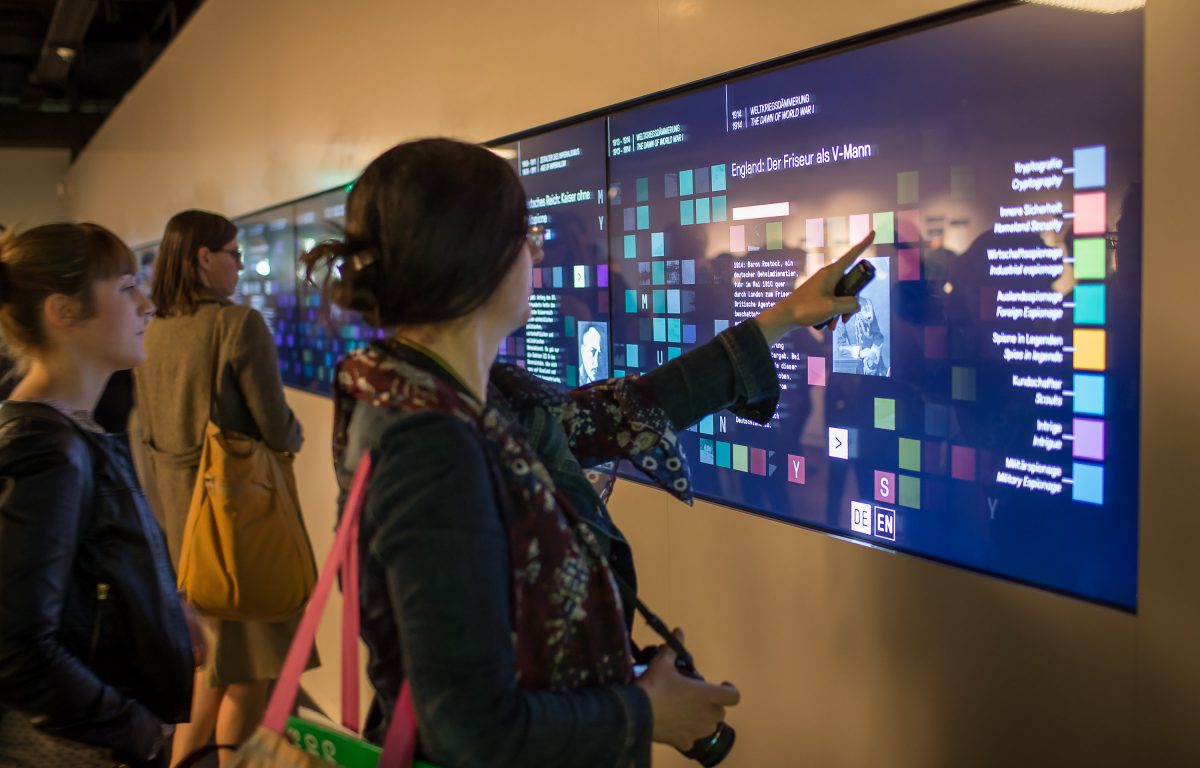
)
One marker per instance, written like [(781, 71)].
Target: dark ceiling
[(66, 64)]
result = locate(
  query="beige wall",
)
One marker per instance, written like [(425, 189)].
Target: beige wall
[(846, 656), (30, 180)]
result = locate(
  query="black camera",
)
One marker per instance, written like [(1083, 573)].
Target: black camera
[(709, 750)]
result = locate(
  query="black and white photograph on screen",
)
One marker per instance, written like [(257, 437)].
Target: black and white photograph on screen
[(862, 345), (593, 352)]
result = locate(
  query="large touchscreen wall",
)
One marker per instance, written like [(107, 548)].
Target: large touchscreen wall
[(567, 338), (982, 408)]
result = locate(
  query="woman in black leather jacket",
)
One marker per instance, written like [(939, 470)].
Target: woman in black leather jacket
[(95, 655)]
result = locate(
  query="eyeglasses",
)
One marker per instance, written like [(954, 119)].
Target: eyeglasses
[(236, 253), (536, 235)]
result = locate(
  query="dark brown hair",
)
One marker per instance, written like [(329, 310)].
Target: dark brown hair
[(177, 286), (51, 259), (432, 228)]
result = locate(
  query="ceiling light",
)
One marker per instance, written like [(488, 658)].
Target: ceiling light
[(1094, 6)]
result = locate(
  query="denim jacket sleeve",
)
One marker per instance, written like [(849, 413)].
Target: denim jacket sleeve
[(433, 529)]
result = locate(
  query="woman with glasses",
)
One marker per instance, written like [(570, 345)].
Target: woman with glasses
[(197, 337)]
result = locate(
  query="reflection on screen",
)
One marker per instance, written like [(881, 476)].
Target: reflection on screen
[(982, 408), (566, 339)]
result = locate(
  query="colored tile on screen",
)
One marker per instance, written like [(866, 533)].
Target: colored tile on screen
[(1089, 304), (631, 246), (660, 330), (1089, 167), (643, 217), (962, 182), (910, 491), (1091, 213), (910, 454), (795, 469), (702, 210), (631, 301), (673, 352), (1089, 439), (631, 356), (1089, 394), (1089, 346), (580, 275), (687, 212), (935, 457), (602, 276), (860, 225), (685, 183), (962, 462), (737, 238), (572, 376), (718, 178), (558, 277), (908, 188), (837, 231), (884, 224), (658, 273), (658, 245), (537, 278), (659, 301), (1090, 257), (723, 454), (689, 271), (673, 330), (643, 190), (741, 458), (689, 334), (720, 325), (816, 371), (908, 264), (908, 226), (670, 185), (673, 301), (630, 217), (774, 231), (814, 233), (719, 209), (885, 413), (569, 326), (1087, 483), (706, 425), (962, 383), (885, 487), (758, 461), (937, 420), (707, 451)]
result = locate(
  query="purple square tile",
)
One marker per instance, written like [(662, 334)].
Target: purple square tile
[(1089, 439), (962, 463)]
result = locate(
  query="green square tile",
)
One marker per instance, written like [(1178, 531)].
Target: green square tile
[(703, 210), (631, 301), (1089, 304), (884, 225), (658, 273), (774, 235), (685, 183), (674, 331), (569, 326), (908, 187), (723, 454), (643, 217), (643, 190), (660, 329), (741, 458), (659, 302), (572, 376), (1089, 258), (910, 454), (687, 212), (674, 352), (631, 246), (718, 208), (909, 493), (885, 413)]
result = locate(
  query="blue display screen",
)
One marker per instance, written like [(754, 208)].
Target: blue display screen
[(982, 408)]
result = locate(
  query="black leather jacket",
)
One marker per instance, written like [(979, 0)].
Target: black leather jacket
[(93, 643)]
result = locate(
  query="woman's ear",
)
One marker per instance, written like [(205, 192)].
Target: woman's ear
[(61, 311)]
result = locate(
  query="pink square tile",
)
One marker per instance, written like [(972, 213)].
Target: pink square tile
[(758, 461), (1091, 215), (860, 225), (814, 233), (795, 469), (962, 462), (908, 226), (816, 371), (885, 487), (737, 238), (909, 267)]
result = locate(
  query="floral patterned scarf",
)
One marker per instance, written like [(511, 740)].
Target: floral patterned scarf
[(569, 628)]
